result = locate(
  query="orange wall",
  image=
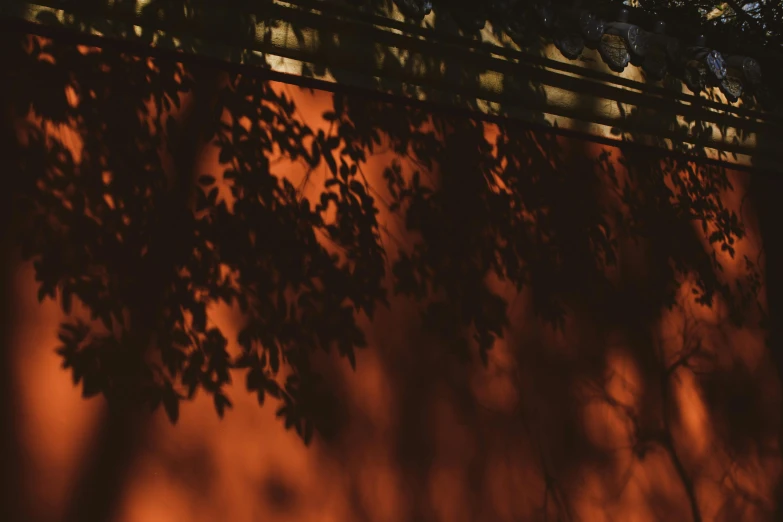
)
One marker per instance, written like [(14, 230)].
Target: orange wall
[(425, 437)]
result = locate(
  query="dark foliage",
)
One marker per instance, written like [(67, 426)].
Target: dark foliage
[(132, 230), (147, 251), (750, 23)]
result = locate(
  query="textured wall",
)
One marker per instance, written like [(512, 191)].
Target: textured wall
[(596, 419)]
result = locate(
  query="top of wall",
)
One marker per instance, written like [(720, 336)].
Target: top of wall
[(566, 69)]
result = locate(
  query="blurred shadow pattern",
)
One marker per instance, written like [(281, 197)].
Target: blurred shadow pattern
[(559, 330)]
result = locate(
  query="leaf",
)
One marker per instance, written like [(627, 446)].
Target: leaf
[(351, 356), (316, 153), (254, 380), (330, 162), (212, 196), (339, 104), (199, 318), (67, 295), (332, 143), (307, 436), (170, 401), (357, 187), (221, 403), (274, 359)]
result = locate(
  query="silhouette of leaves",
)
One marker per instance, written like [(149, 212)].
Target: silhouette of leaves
[(120, 219), (147, 248)]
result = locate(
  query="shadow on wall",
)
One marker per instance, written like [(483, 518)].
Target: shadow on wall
[(468, 321)]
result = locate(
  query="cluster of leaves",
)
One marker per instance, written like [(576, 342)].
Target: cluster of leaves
[(508, 209), (662, 196), (147, 251), (108, 225), (98, 221), (298, 295), (754, 22)]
